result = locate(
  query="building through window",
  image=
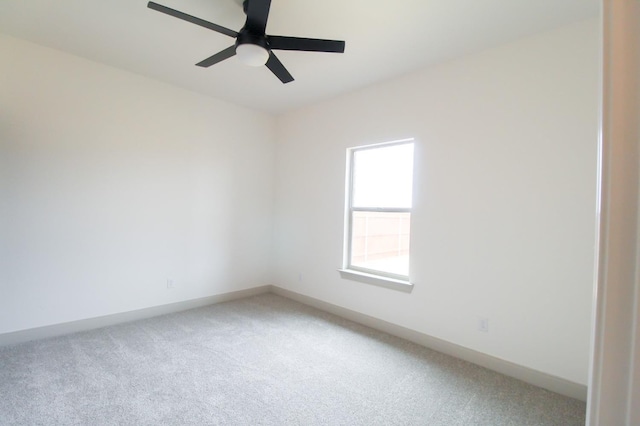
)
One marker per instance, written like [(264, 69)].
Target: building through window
[(378, 217)]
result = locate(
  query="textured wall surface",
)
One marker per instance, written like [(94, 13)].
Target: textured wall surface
[(503, 221), (111, 184)]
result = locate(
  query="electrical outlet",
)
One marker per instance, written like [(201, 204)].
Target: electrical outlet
[(169, 283), (483, 324)]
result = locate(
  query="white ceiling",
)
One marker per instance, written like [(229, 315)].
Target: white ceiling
[(384, 38)]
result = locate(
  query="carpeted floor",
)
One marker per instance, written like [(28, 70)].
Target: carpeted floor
[(263, 360)]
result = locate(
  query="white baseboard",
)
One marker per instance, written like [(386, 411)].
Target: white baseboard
[(534, 377), (21, 336), (529, 375)]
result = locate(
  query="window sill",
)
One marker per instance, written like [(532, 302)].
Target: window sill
[(378, 280)]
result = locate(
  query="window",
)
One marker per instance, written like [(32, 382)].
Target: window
[(378, 213)]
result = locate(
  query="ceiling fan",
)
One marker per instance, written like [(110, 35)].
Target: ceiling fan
[(253, 46)]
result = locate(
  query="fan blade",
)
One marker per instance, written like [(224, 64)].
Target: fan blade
[(305, 44), (257, 14), (278, 69), (192, 19), (218, 57)]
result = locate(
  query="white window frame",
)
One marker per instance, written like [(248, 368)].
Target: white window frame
[(358, 273)]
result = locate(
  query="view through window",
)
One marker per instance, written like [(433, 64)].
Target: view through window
[(379, 208)]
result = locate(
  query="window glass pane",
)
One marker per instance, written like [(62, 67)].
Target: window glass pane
[(380, 241), (382, 177)]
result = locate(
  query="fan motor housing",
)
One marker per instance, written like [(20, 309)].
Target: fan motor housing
[(247, 37)]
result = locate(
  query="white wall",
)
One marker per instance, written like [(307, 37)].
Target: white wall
[(504, 213), (111, 183), (614, 397)]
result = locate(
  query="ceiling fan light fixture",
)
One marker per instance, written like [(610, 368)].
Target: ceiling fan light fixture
[(253, 46), (252, 54)]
